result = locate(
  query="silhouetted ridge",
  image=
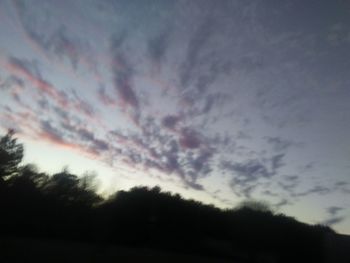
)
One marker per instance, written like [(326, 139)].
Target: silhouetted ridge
[(65, 206)]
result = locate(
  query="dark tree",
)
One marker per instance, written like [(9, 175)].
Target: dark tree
[(11, 154)]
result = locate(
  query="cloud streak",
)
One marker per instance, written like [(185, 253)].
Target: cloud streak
[(28, 71), (122, 75)]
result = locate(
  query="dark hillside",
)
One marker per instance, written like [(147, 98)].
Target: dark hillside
[(65, 207)]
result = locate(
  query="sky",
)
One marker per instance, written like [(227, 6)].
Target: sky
[(220, 101)]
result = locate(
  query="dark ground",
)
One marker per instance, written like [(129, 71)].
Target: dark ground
[(338, 248), (35, 250), (14, 249)]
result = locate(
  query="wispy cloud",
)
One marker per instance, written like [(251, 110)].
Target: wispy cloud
[(334, 210), (196, 45), (333, 217), (318, 189), (31, 73), (106, 99), (158, 45), (58, 42), (122, 74), (279, 144), (247, 175), (333, 221)]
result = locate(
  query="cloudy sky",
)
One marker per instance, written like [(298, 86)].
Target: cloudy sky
[(220, 101)]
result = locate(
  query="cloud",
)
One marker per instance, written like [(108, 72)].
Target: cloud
[(85, 134), (154, 148), (318, 189), (62, 114), (333, 221), (16, 97), (158, 45), (189, 139), (31, 73), (334, 210), (170, 121), (278, 144), (276, 162), (171, 162), (216, 68), (342, 186), (57, 41), (123, 73), (200, 162), (195, 186), (62, 46), (100, 145), (195, 46), (242, 189), (49, 97), (307, 167), (333, 217), (14, 86), (105, 98), (250, 62), (52, 134), (246, 175), (282, 203), (11, 82), (250, 170), (290, 184), (23, 119), (82, 105), (86, 138), (292, 178), (269, 193), (212, 100)]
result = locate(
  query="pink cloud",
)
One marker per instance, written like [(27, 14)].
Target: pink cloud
[(17, 69), (56, 140)]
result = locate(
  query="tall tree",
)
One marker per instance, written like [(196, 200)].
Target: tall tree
[(11, 154)]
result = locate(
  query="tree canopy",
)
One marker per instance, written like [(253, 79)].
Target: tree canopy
[(11, 154)]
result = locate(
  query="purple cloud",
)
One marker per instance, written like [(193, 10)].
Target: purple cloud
[(189, 139), (170, 121)]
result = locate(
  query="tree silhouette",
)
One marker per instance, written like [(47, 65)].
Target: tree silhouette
[(70, 190), (66, 206), (11, 154), (255, 205)]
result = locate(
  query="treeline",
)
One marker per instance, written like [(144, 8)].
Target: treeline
[(67, 207)]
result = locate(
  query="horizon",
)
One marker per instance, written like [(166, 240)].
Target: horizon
[(218, 101)]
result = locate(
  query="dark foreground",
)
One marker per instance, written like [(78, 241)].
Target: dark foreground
[(14, 249), (45, 250), (337, 248)]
